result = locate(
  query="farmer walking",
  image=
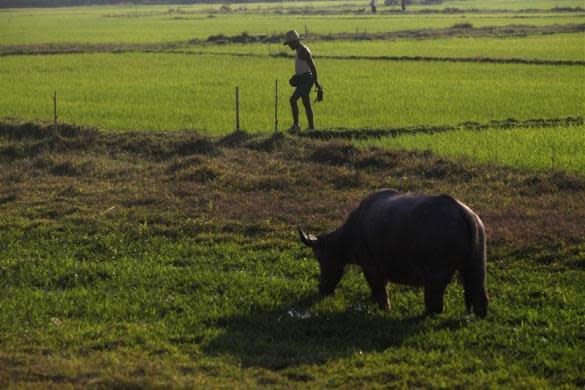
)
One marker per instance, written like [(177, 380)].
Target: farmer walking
[(303, 79)]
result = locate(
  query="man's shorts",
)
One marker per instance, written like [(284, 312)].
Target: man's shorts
[(304, 86)]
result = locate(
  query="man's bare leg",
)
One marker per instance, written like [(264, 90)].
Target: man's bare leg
[(309, 111), (295, 110)]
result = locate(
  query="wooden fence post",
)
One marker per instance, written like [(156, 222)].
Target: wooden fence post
[(276, 106), (55, 112), (237, 108)]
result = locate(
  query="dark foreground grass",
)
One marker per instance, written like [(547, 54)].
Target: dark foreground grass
[(136, 259)]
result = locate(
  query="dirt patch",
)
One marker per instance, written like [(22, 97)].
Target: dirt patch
[(552, 182), (201, 174), (71, 168), (336, 153), (351, 178), (197, 146), (276, 183), (7, 198), (237, 138), (376, 159), (183, 163), (270, 144), (15, 130), (32, 139), (442, 169)]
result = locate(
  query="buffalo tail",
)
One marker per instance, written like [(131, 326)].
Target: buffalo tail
[(473, 272)]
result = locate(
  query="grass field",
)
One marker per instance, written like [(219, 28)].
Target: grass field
[(159, 248), (22, 27), (136, 259), (534, 149), (126, 91)]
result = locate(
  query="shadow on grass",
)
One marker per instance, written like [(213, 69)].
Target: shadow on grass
[(295, 335)]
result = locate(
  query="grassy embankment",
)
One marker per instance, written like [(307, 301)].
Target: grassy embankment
[(143, 259)]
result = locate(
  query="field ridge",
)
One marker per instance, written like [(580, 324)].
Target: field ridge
[(489, 60), (350, 134), (443, 11)]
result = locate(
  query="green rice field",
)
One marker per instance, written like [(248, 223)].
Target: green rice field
[(174, 91), (112, 25), (534, 149)]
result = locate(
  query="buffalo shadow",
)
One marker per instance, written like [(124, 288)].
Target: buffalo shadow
[(293, 335)]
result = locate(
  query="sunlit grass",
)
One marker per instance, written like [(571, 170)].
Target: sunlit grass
[(557, 149), (97, 25), (171, 91), (220, 305)]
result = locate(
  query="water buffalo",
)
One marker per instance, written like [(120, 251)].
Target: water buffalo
[(412, 239)]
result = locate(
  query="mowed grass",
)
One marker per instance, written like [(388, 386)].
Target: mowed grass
[(108, 25), (542, 47), (533, 149), (175, 91)]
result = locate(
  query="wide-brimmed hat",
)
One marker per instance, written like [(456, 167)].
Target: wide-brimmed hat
[(291, 36)]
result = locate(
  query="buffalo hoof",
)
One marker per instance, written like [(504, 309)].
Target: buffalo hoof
[(433, 312), (326, 293), (382, 303)]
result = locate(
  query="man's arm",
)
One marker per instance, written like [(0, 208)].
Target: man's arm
[(305, 55)]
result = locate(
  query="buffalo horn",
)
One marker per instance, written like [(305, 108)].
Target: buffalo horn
[(308, 240)]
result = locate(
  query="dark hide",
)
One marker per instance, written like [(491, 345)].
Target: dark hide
[(418, 240)]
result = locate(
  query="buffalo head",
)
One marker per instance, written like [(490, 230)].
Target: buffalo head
[(331, 265)]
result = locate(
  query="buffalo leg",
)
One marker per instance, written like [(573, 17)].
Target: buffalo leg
[(466, 293), (378, 287), (468, 301), (434, 298), (435, 283)]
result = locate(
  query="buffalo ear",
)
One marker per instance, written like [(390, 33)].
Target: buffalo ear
[(308, 240)]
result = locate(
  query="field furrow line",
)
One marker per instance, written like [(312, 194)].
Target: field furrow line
[(490, 60), (350, 134)]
